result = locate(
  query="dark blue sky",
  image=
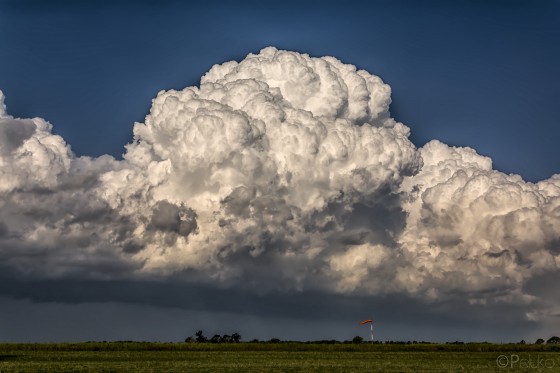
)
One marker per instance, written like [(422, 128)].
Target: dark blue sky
[(483, 74)]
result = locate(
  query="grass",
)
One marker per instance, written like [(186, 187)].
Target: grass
[(281, 357)]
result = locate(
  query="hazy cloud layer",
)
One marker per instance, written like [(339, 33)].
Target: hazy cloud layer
[(280, 172)]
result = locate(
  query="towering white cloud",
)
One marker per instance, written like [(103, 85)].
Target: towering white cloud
[(279, 171), (264, 152)]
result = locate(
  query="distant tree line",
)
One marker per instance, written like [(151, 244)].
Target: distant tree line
[(199, 337), (217, 338)]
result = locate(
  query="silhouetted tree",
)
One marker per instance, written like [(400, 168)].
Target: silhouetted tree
[(522, 342), (189, 339), (539, 341), (236, 337), (226, 339), (274, 340), (357, 339), (553, 340), (216, 338), (200, 337)]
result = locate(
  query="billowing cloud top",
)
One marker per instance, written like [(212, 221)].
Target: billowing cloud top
[(281, 171)]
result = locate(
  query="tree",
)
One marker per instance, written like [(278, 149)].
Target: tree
[(539, 341), (200, 337), (236, 337), (189, 339), (357, 339), (553, 340), (226, 339), (216, 338)]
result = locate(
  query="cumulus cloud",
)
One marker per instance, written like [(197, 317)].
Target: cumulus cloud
[(52, 221), (472, 228), (281, 171)]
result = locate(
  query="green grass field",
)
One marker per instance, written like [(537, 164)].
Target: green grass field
[(281, 357)]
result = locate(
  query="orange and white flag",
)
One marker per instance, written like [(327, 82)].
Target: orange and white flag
[(366, 322)]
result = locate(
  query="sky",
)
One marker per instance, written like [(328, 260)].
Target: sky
[(291, 195)]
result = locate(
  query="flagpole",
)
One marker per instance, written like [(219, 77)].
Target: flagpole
[(370, 321)]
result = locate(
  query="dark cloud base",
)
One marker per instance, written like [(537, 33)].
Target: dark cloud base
[(203, 307)]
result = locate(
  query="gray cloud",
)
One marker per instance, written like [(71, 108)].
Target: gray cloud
[(173, 218), (13, 133)]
